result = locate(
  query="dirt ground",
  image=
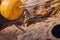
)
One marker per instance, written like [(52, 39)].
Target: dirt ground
[(40, 30)]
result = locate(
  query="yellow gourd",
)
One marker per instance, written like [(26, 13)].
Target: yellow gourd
[(9, 9), (0, 8)]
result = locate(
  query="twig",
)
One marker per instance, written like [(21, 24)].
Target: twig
[(39, 3)]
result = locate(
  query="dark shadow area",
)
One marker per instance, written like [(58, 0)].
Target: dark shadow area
[(35, 20), (5, 22), (56, 31)]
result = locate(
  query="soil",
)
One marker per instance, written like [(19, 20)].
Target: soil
[(40, 30)]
